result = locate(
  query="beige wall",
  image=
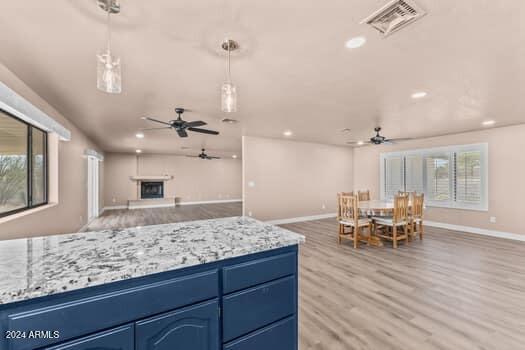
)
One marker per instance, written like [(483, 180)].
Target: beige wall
[(506, 168), (293, 179), (71, 212), (194, 179)]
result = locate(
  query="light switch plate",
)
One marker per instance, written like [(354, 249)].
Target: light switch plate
[(492, 219)]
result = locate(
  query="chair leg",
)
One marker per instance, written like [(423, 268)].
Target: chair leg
[(406, 233), (421, 230), (341, 229), (394, 236), (356, 236)]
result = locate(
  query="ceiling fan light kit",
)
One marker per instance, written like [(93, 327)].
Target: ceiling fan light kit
[(181, 126), (203, 155), (378, 139), (228, 89)]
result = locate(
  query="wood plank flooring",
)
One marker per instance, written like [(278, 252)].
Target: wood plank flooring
[(142, 217), (452, 291)]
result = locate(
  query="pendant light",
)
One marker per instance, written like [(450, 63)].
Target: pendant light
[(228, 90), (109, 76)]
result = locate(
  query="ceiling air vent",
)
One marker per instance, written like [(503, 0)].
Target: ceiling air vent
[(394, 16)]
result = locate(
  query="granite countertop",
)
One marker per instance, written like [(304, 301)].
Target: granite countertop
[(35, 267)]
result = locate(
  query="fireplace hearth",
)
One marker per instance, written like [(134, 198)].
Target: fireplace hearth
[(151, 189)]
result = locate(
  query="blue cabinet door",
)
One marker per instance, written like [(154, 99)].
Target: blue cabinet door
[(191, 328), (120, 338)]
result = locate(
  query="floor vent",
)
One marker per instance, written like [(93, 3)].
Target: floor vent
[(394, 16)]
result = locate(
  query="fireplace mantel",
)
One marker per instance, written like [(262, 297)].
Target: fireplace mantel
[(151, 177)]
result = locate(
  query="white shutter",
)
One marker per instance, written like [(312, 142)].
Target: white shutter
[(468, 177), (414, 173), (394, 176), (438, 184)]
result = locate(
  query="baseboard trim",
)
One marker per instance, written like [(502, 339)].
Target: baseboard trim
[(165, 205), (301, 219), (476, 230), (211, 202), (118, 207)]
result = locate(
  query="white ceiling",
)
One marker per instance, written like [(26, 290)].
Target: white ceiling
[(293, 71)]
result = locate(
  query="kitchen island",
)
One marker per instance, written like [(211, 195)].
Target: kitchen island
[(212, 284)]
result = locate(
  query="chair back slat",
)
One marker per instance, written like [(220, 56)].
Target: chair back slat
[(349, 208), (339, 202), (400, 208), (417, 205), (364, 195)]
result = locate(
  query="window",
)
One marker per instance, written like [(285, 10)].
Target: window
[(452, 177), (23, 165)]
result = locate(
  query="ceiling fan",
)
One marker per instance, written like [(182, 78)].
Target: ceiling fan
[(378, 139), (181, 125), (203, 155)]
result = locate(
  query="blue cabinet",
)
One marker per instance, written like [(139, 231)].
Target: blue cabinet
[(120, 338), (244, 303), (195, 328)]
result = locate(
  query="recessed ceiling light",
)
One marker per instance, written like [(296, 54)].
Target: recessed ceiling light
[(287, 133), (356, 42), (138, 151), (345, 130), (234, 156), (139, 135), (360, 143), (419, 94), (488, 122), (229, 120)]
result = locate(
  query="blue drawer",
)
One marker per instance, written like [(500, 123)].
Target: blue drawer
[(254, 308), (251, 273), (281, 335), (90, 314), (120, 338)]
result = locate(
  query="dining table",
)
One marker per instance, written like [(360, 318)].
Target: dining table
[(377, 207)]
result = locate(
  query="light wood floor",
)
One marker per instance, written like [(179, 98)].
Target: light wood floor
[(142, 217), (452, 291)]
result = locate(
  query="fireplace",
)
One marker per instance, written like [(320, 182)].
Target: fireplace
[(151, 189)]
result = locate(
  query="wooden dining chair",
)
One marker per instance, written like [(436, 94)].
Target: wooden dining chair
[(339, 202), (350, 218), (364, 195), (391, 224), (416, 214)]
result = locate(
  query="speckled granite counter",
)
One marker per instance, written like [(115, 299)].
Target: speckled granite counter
[(42, 266)]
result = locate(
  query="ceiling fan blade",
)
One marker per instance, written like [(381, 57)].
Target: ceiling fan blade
[(392, 141), (193, 156), (204, 131), (357, 143), (155, 120), (195, 124), (214, 157), (161, 128), (182, 133)]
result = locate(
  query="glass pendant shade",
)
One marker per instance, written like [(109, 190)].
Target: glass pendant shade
[(228, 98), (109, 77)]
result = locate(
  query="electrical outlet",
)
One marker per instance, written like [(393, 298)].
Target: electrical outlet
[(323, 206), (492, 219), (114, 200), (249, 213), (251, 184)]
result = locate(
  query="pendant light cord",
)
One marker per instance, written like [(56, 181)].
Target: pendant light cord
[(229, 65), (108, 8)]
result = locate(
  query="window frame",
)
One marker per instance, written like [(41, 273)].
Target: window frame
[(29, 154), (452, 152)]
